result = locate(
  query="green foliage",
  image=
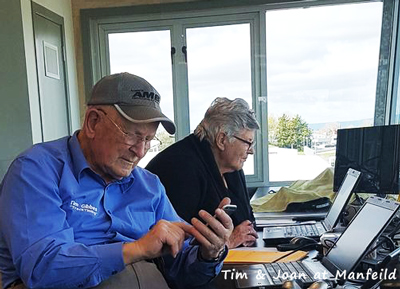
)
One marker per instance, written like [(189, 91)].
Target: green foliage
[(166, 139), (290, 132)]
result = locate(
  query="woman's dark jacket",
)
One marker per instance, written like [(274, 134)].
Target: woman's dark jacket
[(192, 180)]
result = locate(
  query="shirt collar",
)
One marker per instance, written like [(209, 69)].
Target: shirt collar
[(79, 162)]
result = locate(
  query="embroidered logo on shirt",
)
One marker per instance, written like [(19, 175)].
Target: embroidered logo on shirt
[(83, 208)]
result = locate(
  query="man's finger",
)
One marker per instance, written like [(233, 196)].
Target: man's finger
[(224, 218), (225, 201), (184, 226), (187, 228), (216, 226), (198, 232)]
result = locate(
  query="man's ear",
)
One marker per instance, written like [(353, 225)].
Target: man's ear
[(221, 140), (92, 118)]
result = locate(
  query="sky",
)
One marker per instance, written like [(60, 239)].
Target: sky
[(321, 62)]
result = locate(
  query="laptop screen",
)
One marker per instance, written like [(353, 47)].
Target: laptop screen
[(341, 198), (365, 227)]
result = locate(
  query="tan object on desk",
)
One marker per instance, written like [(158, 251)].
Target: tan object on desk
[(299, 191), (257, 256)]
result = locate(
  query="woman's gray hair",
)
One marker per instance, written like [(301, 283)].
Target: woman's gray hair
[(228, 116)]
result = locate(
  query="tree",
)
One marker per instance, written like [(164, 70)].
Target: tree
[(272, 126), (282, 131), (166, 139), (292, 132)]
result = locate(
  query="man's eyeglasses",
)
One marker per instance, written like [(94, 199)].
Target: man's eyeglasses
[(250, 144), (133, 139)]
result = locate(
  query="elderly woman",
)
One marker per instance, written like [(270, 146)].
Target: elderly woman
[(205, 167)]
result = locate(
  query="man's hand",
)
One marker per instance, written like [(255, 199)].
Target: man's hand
[(215, 235), (243, 234), (164, 238)]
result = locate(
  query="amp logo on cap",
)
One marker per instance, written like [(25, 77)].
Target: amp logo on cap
[(139, 93)]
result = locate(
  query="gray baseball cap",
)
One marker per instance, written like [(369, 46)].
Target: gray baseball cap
[(133, 97)]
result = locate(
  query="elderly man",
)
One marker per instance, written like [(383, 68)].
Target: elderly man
[(206, 166), (78, 212)]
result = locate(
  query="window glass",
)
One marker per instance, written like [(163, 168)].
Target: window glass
[(219, 65), (322, 65), (395, 109), (147, 54)]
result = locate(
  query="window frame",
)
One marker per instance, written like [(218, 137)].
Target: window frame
[(98, 23)]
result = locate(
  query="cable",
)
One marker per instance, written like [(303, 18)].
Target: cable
[(294, 251), (295, 243), (327, 246), (393, 246), (359, 199), (396, 228)]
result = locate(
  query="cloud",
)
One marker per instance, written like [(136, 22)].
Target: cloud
[(322, 62)]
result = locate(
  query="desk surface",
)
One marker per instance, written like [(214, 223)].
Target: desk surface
[(227, 283), (224, 281)]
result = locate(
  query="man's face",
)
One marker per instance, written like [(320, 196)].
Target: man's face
[(119, 145)]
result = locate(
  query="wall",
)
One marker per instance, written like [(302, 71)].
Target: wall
[(19, 109), (15, 128)]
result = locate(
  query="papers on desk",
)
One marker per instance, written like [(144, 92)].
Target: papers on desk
[(261, 256)]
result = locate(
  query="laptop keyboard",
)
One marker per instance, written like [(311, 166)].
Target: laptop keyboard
[(292, 269), (310, 230)]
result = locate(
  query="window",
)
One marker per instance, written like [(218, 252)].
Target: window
[(395, 100), (205, 61), (225, 73), (314, 68), (322, 65)]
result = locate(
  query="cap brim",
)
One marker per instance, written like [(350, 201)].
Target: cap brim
[(145, 114)]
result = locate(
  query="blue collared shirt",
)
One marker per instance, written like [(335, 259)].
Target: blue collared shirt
[(61, 225)]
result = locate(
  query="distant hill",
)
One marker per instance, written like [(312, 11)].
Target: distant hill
[(343, 124)]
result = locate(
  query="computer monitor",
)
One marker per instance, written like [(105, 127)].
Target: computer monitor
[(375, 152)]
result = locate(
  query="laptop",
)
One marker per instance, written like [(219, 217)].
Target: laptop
[(342, 258), (282, 233)]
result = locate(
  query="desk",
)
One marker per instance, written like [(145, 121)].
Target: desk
[(227, 283), (224, 281)]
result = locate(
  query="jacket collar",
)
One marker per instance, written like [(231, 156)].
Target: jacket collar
[(203, 149)]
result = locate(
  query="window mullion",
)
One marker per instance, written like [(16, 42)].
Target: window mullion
[(180, 82)]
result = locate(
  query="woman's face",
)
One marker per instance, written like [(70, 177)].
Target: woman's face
[(236, 151)]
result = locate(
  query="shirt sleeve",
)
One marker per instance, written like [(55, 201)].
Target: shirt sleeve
[(38, 236), (186, 270)]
